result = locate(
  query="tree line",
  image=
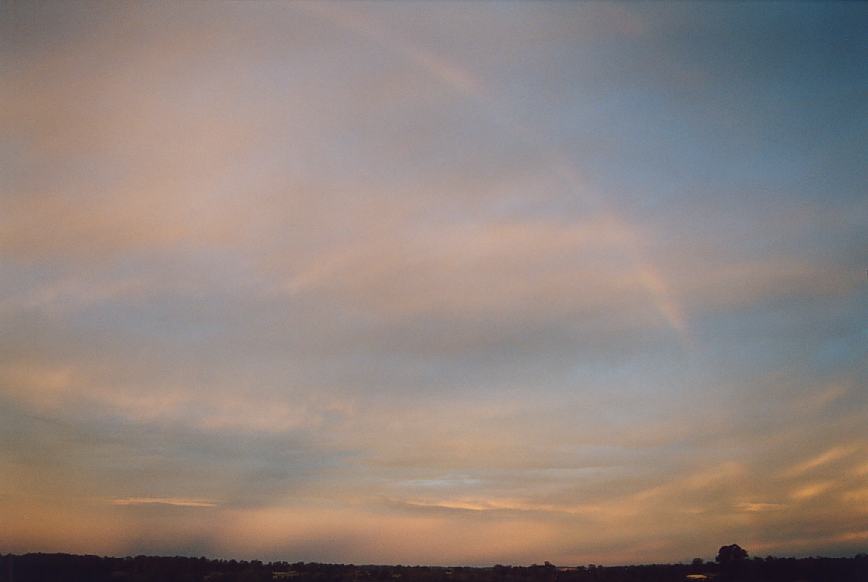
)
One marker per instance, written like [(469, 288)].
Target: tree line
[(731, 565)]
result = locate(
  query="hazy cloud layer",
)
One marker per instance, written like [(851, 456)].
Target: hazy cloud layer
[(433, 283)]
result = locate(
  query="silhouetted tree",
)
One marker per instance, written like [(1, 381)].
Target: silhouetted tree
[(731, 554)]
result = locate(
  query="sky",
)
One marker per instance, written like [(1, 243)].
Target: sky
[(424, 283)]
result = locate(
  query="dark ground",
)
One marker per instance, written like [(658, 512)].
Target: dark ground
[(72, 568)]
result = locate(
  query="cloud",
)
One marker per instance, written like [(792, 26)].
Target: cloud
[(754, 507), (824, 458), (170, 501), (464, 285), (499, 268)]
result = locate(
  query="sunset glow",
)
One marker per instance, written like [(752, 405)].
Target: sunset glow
[(433, 283)]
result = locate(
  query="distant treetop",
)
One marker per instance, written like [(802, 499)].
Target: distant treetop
[(731, 554)]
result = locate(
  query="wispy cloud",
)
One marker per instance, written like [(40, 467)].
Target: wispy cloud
[(171, 501), (442, 283)]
